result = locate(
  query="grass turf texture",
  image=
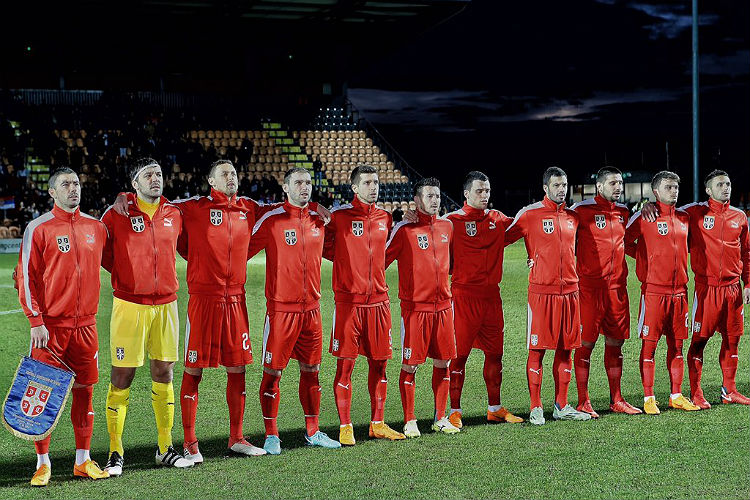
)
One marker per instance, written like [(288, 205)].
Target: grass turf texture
[(675, 455)]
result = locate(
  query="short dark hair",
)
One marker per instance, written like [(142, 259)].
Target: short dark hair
[(602, 174), (293, 171), (663, 175), (57, 173), (139, 165), (712, 174), (552, 172), (425, 181), (361, 169), (215, 164), (474, 175)]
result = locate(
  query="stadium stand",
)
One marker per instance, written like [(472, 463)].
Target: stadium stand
[(99, 138)]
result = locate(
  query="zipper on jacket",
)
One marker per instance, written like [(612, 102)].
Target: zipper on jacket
[(369, 250), (437, 266), (304, 259), (559, 232), (74, 244), (721, 253), (229, 256)]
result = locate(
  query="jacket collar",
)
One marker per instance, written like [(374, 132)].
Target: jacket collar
[(221, 199), (424, 218), (718, 206), (665, 209), (61, 214), (133, 203), (603, 202), (296, 211), (551, 204), (473, 212), (362, 206)]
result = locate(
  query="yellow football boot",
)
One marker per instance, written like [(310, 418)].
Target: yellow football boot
[(346, 435), (90, 469), (381, 430), (41, 476)]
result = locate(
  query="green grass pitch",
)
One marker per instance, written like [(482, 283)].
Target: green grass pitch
[(675, 455)]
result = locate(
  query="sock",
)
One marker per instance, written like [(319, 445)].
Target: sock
[(648, 351), (534, 371), (82, 416), (309, 396), (675, 395), (342, 389), (675, 364), (162, 400), (117, 409), (269, 402), (582, 363), (493, 377), (457, 375), (440, 386), (189, 405), (406, 382), (377, 383), (82, 456), (695, 363), (42, 448), (43, 459), (561, 369), (728, 359), (236, 403), (613, 366)]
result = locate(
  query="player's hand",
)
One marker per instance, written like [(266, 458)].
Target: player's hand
[(324, 213), (530, 263), (120, 205), (39, 336), (410, 216), (649, 211), (746, 295)]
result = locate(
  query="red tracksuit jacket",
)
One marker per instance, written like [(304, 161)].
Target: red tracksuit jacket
[(141, 253), (293, 239), (355, 241), (423, 251), (214, 241), (660, 250), (600, 249), (478, 242), (719, 243), (550, 234), (57, 276)]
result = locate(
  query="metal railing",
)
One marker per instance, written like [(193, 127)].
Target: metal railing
[(379, 139)]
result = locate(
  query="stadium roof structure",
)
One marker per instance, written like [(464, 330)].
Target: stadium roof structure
[(317, 11), (101, 43)]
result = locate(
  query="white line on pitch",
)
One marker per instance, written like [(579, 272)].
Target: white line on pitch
[(12, 311)]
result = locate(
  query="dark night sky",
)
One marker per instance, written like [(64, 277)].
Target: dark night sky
[(511, 88)]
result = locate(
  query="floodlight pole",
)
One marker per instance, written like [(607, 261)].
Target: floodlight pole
[(695, 100)]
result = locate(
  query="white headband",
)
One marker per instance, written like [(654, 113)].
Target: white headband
[(152, 164)]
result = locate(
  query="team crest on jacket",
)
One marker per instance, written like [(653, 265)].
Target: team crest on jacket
[(63, 243), (422, 241), (35, 398), (709, 221), (216, 216), (290, 236), (358, 228), (471, 228), (138, 224), (662, 227), (601, 221), (548, 226)]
